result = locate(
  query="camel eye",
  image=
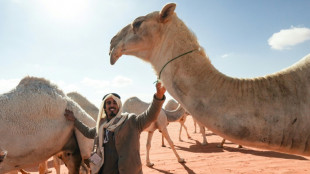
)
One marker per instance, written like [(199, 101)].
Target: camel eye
[(137, 24)]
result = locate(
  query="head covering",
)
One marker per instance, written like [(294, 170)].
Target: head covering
[(102, 114)]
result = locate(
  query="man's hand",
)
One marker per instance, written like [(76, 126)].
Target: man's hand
[(69, 115), (160, 91)]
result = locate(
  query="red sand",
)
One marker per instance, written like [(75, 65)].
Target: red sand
[(209, 159)]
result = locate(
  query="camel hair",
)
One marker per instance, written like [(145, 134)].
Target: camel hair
[(137, 106), (270, 112), (33, 127), (172, 105), (66, 156), (89, 107)]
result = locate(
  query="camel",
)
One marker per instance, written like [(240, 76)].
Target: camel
[(172, 105), (270, 112), (33, 127), (89, 107), (135, 105)]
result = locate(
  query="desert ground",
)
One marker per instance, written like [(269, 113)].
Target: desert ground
[(210, 159)]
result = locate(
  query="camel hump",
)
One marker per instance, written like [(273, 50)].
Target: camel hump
[(171, 105), (131, 99), (37, 84), (33, 100)]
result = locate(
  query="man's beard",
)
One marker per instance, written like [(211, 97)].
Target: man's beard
[(112, 114)]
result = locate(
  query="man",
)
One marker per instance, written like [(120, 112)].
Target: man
[(117, 134)]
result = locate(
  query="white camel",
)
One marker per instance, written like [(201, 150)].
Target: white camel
[(89, 107), (172, 105), (270, 112), (33, 127), (135, 105)]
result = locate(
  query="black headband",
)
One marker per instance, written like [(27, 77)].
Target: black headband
[(116, 95)]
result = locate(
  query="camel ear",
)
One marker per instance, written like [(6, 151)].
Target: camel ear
[(166, 12)]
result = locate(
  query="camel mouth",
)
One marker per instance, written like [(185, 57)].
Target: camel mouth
[(114, 55), (113, 59)]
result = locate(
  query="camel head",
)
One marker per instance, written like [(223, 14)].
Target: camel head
[(143, 36)]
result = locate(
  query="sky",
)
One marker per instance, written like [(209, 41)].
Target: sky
[(67, 41)]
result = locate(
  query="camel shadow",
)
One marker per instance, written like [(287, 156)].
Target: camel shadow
[(271, 154), (161, 171), (198, 148), (189, 171), (212, 148)]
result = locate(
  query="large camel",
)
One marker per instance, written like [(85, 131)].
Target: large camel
[(137, 106), (33, 127), (171, 105), (270, 112)]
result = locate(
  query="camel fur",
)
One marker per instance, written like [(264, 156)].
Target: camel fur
[(89, 107), (135, 105), (270, 112), (172, 105), (33, 113)]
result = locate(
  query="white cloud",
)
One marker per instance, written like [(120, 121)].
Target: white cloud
[(7, 84), (66, 87), (95, 83), (227, 55), (121, 81), (289, 37), (118, 81)]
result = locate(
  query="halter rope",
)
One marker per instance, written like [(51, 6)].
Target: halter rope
[(171, 61)]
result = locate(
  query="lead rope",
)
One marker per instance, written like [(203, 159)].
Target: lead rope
[(158, 79)]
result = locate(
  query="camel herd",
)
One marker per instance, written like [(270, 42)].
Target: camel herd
[(270, 112), (40, 96)]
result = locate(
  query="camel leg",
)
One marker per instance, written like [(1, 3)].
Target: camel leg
[(222, 143), (162, 141), (180, 139), (188, 136), (57, 163), (194, 124), (167, 137), (22, 171), (43, 168), (148, 147), (203, 134)]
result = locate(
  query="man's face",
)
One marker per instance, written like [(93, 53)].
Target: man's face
[(111, 107)]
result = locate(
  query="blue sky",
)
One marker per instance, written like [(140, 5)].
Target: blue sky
[(67, 41)]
